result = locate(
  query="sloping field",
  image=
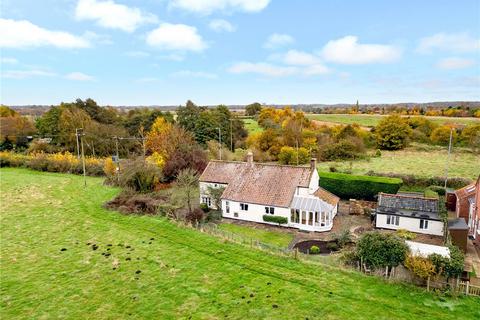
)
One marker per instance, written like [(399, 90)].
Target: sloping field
[(63, 256), (371, 120)]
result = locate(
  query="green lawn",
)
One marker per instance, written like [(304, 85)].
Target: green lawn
[(276, 238), (252, 126), (422, 163), (157, 270), (372, 120)]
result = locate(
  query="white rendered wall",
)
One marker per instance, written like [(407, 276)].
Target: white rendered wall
[(410, 224)]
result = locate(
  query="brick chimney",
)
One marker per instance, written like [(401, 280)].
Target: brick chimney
[(313, 163), (250, 158)]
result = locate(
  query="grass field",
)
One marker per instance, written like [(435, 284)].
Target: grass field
[(64, 256), (422, 163), (252, 126), (276, 238), (367, 120)]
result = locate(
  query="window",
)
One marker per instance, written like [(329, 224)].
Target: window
[(207, 201), (393, 220), (423, 224), (304, 217), (227, 207), (297, 216), (243, 206), (310, 218), (292, 215), (235, 214), (269, 210)]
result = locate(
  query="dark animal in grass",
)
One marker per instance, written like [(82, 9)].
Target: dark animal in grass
[(138, 271), (128, 259), (128, 247), (109, 245), (252, 295), (152, 239), (63, 249), (269, 283), (94, 247), (274, 306)]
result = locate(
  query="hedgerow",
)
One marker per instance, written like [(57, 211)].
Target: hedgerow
[(348, 186), (274, 219)]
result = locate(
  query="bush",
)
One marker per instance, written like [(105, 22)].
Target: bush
[(420, 266), (332, 246), (412, 180), (213, 216), (139, 175), (405, 234), (342, 150), (204, 207), (392, 133), (289, 155), (343, 238), (314, 250), (381, 249), (348, 186), (449, 267), (131, 202), (196, 216), (274, 219), (439, 190)]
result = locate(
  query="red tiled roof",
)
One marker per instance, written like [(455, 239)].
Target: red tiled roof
[(327, 196), (265, 184), (467, 191)]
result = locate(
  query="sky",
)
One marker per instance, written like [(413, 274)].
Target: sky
[(164, 52)]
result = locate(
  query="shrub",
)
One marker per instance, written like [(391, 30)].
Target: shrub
[(392, 133), (420, 266), (449, 267), (342, 150), (131, 202), (314, 250), (429, 193), (332, 246), (289, 155), (274, 219), (196, 216), (381, 249), (412, 180), (109, 168), (139, 175), (348, 186), (405, 234), (213, 216), (204, 207), (344, 238), (437, 189), (441, 135)]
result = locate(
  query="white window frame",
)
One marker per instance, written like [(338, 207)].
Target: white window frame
[(227, 207), (393, 220), (423, 224), (244, 206), (270, 210)]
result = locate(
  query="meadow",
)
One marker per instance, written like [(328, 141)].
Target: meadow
[(371, 120), (419, 160), (64, 256), (272, 237), (252, 126)]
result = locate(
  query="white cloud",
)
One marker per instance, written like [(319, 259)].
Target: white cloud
[(97, 38), (262, 68), (451, 42), (109, 14), (455, 63), (194, 74), (24, 34), (347, 50), (137, 54), (146, 80), (300, 58), (220, 25), (179, 37), (277, 40), (6, 60), (209, 6), (79, 76), (316, 69), (23, 74)]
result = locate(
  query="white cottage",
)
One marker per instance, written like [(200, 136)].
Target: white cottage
[(255, 190), (410, 212)]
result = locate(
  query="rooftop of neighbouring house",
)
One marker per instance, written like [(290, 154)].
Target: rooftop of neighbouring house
[(469, 190), (457, 224), (410, 205), (261, 183)]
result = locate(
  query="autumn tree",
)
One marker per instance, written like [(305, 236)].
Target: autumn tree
[(253, 109), (441, 135), (392, 133)]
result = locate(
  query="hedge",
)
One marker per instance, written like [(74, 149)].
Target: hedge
[(348, 186), (274, 219)]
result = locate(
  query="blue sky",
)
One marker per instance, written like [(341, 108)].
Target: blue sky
[(163, 52)]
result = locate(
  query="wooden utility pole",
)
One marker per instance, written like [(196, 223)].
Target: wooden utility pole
[(448, 159), (80, 131), (78, 144), (220, 143), (231, 135)]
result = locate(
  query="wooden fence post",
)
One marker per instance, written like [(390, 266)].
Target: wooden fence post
[(428, 283), (296, 253), (467, 287)]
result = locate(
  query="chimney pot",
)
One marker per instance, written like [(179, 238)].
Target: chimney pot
[(313, 163)]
